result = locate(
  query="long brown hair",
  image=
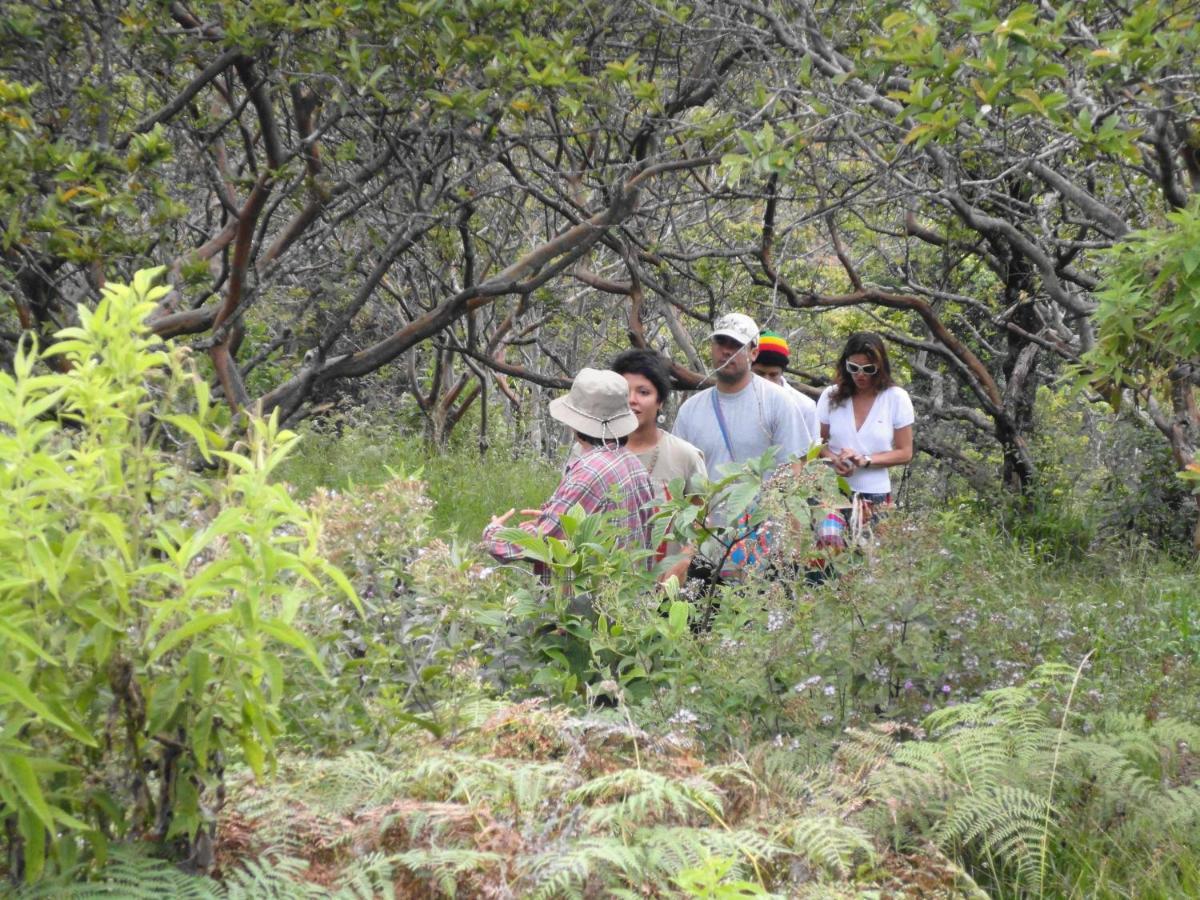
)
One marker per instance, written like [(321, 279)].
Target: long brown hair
[(862, 343)]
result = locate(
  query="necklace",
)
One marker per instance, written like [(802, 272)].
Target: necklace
[(654, 456)]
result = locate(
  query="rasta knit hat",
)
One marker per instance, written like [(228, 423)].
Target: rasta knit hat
[(772, 350), (598, 405)]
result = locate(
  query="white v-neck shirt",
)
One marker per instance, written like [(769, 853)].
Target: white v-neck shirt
[(892, 409)]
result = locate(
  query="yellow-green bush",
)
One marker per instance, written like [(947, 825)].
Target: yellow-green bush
[(143, 592)]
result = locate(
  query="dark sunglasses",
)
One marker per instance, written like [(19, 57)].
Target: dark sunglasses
[(855, 368)]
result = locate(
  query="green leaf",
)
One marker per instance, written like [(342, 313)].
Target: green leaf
[(17, 636), (20, 774), (677, 618), (11, 685), (190, 629), (286, 634)]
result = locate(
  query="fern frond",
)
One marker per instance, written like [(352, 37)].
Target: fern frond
[(1176, 734), (674, 849), (446, 865), (129, 874), (643, 796), (369, 878), (829, 843), (1176, 811), (865, 750), (1005, 823), (565, 871), (271, 878)]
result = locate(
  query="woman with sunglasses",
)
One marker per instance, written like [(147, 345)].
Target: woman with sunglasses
[(866, 420)]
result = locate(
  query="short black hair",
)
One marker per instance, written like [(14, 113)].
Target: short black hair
[(600, 442), (650, 365)]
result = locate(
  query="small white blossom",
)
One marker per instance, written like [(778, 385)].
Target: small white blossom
[(684, 717)]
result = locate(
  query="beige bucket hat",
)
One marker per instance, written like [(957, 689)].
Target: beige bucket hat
[(598, 405)]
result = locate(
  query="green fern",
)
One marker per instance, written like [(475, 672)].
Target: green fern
[(642, 796), (447, 866), (131, 874), (829, 843), (271, 878), (565, 872)]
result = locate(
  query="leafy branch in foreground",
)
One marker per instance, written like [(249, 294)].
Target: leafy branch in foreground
[(142, 601)]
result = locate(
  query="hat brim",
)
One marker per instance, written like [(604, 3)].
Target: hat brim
[(733, 336), (619, 426)]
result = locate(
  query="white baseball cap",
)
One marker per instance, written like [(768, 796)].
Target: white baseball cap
[(738, 326)]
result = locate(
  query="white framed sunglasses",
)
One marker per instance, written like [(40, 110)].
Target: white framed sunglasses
[(855, 368)]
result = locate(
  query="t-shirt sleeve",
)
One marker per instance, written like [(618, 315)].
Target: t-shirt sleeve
[(823, 407), (697, 472), (791, 431), (902, 408), (683, 422)]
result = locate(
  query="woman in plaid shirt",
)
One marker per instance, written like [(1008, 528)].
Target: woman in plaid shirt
[(605, 478)]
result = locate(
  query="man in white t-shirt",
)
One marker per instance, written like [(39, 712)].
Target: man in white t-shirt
[(743, 414), (771, 363)]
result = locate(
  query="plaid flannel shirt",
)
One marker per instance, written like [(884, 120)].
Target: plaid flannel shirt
[(602, 480)]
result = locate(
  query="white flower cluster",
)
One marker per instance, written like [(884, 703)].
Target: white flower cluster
[(683, 718)]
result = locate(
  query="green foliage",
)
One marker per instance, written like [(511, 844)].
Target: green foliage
[(1002, 780), (143, 602), (1147, 313), (467, 489), (429, 629), (75, 204), (536, 802), (594, 619)]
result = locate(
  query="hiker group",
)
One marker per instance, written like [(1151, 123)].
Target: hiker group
[(622, 461)]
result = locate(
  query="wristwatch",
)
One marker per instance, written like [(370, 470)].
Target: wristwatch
[(866, 461)]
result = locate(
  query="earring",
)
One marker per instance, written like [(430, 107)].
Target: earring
[(661, 418)]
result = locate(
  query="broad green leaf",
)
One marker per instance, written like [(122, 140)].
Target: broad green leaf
[(20, 774), (18, 691), (190, 629)]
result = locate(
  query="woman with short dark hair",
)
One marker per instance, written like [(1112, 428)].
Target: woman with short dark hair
[(665, 456)]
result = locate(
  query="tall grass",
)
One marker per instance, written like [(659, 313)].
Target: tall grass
[(467, 488)]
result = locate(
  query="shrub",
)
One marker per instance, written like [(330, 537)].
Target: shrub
[(143, 594)]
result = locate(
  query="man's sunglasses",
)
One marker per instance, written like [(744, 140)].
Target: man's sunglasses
[(855, 368)]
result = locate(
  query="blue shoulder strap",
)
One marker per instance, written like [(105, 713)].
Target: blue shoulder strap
[(721, 424)]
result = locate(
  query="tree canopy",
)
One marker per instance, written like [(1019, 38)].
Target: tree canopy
[(460, 193)]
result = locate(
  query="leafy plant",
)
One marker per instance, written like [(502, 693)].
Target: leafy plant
[(594, 618), (1002, 780), (143, 601)]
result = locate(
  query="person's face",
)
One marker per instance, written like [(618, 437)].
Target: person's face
[(863, 370), (771, 373), (731, 359), (643, 400)]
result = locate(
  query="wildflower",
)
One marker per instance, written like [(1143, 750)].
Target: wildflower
[(683, 717), (946, 688), (830, 690)]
